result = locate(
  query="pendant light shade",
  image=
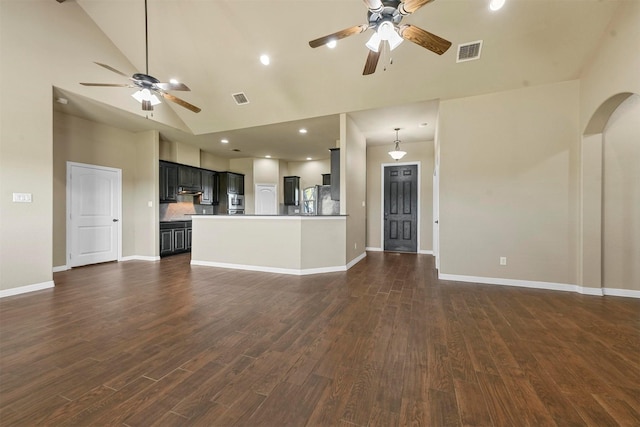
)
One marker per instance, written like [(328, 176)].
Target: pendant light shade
[(397, 153)]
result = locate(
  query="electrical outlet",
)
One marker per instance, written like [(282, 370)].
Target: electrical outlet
[(503, 260)]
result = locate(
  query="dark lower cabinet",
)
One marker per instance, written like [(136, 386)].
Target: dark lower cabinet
[(175, 237)]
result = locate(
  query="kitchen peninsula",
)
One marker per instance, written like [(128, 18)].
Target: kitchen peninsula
[(288, 244)]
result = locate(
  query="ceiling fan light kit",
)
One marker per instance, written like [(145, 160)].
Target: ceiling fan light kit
[(396, 154), (384, 17)]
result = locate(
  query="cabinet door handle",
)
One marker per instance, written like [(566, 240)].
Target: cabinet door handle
[(116, 220)]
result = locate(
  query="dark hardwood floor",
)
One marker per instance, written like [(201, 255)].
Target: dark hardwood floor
[(384, 344)]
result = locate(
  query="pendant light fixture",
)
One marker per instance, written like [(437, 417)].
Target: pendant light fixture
[(396, 154)]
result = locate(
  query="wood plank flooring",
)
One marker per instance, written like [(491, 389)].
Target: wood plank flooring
[(384, 344)]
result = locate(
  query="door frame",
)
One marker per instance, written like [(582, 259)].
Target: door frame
[(68, 208), (382, 166)]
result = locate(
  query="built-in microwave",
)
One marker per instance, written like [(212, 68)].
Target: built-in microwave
[(236, 202)]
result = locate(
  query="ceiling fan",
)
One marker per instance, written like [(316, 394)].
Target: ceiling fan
[(149, 88), (384, 17)]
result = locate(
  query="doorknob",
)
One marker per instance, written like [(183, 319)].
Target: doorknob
[(386, 214), (115, 220), (436, 221)]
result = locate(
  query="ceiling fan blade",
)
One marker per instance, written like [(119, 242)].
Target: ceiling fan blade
[(173, 86), (372, 63), (107, 84), (424, 38), (111, 69), (374, 5), (180, 102), (410, 6), (338, 35)]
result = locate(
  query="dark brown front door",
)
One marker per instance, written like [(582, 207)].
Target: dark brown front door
[(401, 208)]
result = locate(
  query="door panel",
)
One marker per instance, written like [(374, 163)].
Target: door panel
[(94, 214), (401, 208), (266, 199)]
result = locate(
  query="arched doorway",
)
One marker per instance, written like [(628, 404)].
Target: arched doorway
[(609, 227)]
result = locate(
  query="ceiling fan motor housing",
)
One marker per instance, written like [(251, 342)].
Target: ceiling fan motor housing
[(389, 13), (145, 81)]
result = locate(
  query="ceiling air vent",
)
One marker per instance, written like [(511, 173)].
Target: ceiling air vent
[(240, 98), (469, 51)]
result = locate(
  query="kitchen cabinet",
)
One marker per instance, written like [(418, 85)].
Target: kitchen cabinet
[(335, 173), (175, 237), (210, 184), (326, 179), (188, 176), (292, 190), (168, 182), (231, 183)]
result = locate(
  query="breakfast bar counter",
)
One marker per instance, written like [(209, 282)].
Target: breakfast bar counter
[(288, 244)]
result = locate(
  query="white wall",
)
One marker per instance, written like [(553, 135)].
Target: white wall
[(353, 185), (621, 198), (508, 184)]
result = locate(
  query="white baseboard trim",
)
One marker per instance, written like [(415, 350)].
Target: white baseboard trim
[(373, 249), (139, 258), (628, 293), (25, 289), (356, 260), (264, 269), (541, 285), (426, 252), (60, 268)]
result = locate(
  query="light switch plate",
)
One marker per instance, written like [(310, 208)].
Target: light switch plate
[(22, 197)]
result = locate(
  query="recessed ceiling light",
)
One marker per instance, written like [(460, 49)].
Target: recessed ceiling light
[(302, 130), (174, 81), (224, 141), (265, 59), (332, 44), (268, 156), (309, 158), (496, 4)]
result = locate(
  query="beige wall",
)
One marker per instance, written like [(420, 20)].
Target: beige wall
[(353, 185), (621, 198), (83, 141), (611, 77), (508, 184), (377, 155), (214, 163), (310, 172)]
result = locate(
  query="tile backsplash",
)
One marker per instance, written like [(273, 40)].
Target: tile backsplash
[(185, 206)]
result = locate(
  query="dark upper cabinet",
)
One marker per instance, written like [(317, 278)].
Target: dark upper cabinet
[(231, 183), (335, 174), (291, 190), (208, 187), (188, 176), (168, 182)]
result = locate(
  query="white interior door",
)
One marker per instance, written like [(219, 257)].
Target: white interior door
[(93, 214), (266, 199)]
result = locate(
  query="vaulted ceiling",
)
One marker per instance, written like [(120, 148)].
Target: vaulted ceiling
[(214, 46)]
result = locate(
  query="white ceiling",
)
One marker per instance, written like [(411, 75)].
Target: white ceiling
[(214, 46)]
